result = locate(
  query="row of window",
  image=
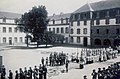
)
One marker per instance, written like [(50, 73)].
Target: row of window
[(10, 29), (79, 31), (107, 31), (78, 39), (96, 14), (67, 21), (58, 30), (15, 40), (15, 20), (97, 22)]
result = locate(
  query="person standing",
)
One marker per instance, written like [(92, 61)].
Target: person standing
[(21, 74), (10, 74), (94, 74), (42, 60), (35, 72), (66, 65), (16, 75), (25, 73), (47, 61), (3, 74), (100, 75), (30, 72), (40, 72), (44, 72), (85, 77)]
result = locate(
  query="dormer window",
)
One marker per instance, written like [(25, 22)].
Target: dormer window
[(118, 12), (73, 17), (4, 20), (67, 20), (98, 15), (107, 14), (53, 21), (61, 20), (107, 21)]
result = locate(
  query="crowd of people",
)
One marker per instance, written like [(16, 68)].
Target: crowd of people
[(38, 72), (86, 56), (112, 72), (57, 59), (98, 55)]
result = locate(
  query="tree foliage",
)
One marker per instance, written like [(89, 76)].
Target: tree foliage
[(35, 22)]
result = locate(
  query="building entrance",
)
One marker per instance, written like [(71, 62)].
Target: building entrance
[(85, 42)]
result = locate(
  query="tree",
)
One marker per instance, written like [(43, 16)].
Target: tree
[(35, 23)]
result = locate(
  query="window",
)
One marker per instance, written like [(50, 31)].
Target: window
[(57, 30), (10, 29), (15, 29), (53, 30), (21, 39), (118, 20), (4, 29), (4, 39), (71, 40), (61, 20), (49, 29), (66, 30), (67, 20), (91, 31), (107, 31), (78, 39), (4, 20), (62, 30), (78, 23), (78, 31), (92, 22), (97, 22), (107, 21), (85, 22), (85, 31), (71, 23), (21, 29), (97, 31), (117, 31), (53, 21), (71, 31), (15, 39)]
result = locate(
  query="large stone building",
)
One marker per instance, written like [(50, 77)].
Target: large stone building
[(9, 33), (59, 24), (93, 24), (96, 24)]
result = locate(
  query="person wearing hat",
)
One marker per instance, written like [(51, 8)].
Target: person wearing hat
[(94, 74), (85, 77)]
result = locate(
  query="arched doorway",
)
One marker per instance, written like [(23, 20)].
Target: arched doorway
[(116, 42), (97, 42), (85, 41), (107, 42)]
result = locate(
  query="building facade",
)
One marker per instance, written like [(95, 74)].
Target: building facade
[(93, 24), (9, 33), (59, 24), (96, 24)]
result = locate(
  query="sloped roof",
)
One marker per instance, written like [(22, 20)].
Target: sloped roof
[(10, 15), (58, 17), (101, 5)]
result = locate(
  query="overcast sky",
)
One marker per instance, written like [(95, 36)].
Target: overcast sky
[(53, 6)]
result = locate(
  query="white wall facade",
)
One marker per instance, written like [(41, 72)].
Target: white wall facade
[(81, 35), (16, 37)]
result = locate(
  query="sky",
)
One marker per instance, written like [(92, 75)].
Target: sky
[(52, 6)]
